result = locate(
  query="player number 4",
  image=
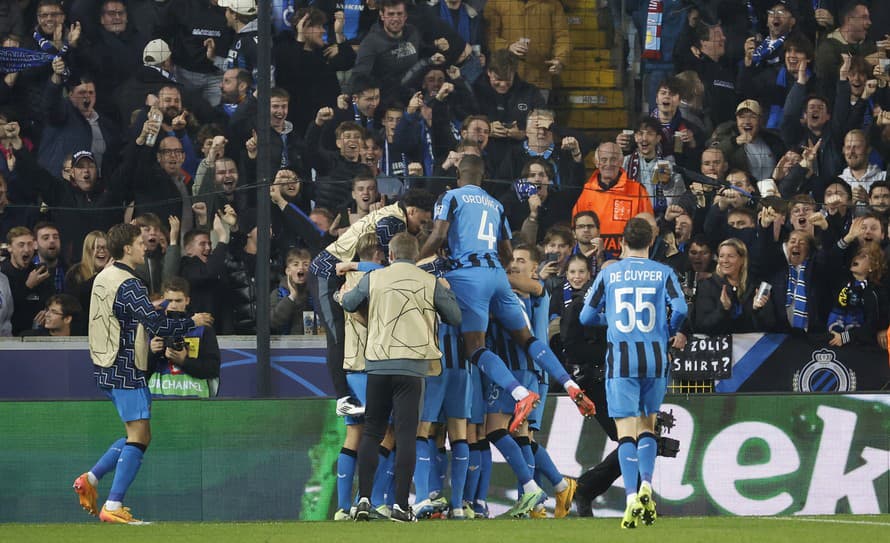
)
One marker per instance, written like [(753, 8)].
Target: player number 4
[(636, 310), (486, 231)]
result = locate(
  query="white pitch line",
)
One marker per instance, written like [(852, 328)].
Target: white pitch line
[(830, 521)]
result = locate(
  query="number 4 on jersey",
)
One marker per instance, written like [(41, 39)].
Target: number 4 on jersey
[(486, 231)]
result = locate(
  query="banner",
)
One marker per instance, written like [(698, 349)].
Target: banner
[(229, 460), (803, 363)]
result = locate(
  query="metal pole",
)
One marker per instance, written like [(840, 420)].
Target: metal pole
[(264, 178)]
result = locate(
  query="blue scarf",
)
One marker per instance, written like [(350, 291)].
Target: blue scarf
[(463, 20), (548, 152), (796, 296), (47, 46), (766, 51), (16, 59)]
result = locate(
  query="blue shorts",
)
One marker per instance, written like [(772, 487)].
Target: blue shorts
[(635, 397), (498, 400), (480, 291), (448, 394), (477, 396), (131, 403), (534, 420), (358, 386)]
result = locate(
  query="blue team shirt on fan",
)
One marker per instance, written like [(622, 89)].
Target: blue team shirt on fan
[(632, 297), (477, 222)]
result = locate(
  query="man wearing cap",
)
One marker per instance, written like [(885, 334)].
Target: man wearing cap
[(746, 145), (241, 17), (101, 202), (156, 72), (73, 124)]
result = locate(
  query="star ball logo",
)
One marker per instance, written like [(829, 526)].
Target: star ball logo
[(824, 373)]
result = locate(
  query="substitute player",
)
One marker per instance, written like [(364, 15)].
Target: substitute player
[(121, 316), (631, 297), (478, 236)]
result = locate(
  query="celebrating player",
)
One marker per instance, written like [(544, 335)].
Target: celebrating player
[(635, 293)]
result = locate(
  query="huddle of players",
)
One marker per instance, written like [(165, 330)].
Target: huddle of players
[(494, 372)]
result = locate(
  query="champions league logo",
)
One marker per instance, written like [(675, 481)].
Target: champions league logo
[(824, 373)]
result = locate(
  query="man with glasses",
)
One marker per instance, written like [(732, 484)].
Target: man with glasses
[(60, 312), (51, 36), (156, 180), (613, 197), (114, 51)]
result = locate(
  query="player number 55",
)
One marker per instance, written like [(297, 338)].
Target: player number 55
[(635, 311)]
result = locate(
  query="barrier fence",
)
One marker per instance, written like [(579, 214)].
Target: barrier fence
[(228, 460)]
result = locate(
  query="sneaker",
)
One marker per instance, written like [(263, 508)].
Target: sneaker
[(457, 514), (362, 510), (538, 512), (523, 409), (526, 503), (121, 515), (583, 503), (480, 510), (632, 514), (87, 494), (347, 405), (564, 499), (342, 515), (440, 504), (645, 497), (399, 515), (381, 512), (468, 510), (424, 509)]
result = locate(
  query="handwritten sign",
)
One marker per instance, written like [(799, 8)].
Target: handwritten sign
[(705, 357)]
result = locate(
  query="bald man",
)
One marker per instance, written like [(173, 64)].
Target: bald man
[(613, 197)]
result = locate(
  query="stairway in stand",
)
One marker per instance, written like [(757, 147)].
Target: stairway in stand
[(592, 96)]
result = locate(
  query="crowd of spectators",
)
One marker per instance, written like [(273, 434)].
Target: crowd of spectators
[(758, 153)]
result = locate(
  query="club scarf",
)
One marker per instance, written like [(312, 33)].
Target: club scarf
[(548, 152), (796, 296), (654, 19), (16, 59), (46, 44), (766, 51)]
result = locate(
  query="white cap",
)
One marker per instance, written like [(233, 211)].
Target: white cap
[(241, 7), (156, 52)]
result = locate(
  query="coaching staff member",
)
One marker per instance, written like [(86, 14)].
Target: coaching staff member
[(402, 302)]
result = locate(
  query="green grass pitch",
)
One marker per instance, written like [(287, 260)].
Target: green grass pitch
[(677, 529)]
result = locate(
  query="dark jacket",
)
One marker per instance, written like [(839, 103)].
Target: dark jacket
[(709, 317), (205, 278), (387, 58), (287, 314), (79, 212), (67, 131), (111, 59), (309, 77), (333, 186), (188, 25), (27, 302)]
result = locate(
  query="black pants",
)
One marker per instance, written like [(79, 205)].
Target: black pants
[(331, 315), (599, 478), (400, 395)]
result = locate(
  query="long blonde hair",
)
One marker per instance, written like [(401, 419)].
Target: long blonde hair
[(742, 251), (86, 268)]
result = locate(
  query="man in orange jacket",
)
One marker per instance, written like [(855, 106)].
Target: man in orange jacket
[(613, 197)]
